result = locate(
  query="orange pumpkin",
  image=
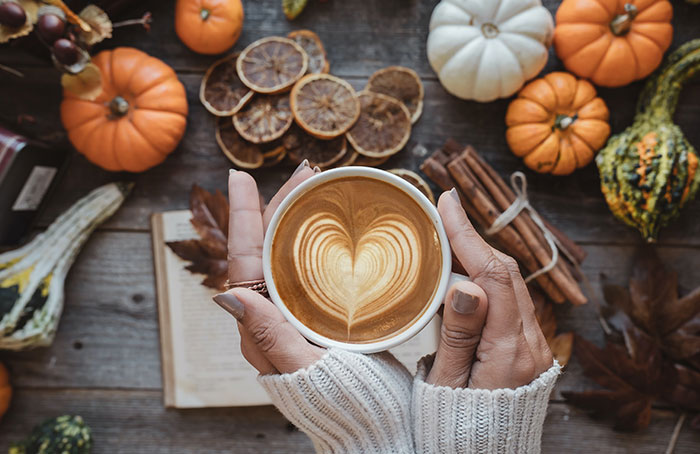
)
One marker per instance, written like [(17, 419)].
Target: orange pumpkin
[(137, 120), (557, 124), (613, 42), (209, 26), (5, 390)]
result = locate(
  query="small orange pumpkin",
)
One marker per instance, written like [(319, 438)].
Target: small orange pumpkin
[(137, 120), (613, 42), (557, 124), (5, 390), (209, 26)]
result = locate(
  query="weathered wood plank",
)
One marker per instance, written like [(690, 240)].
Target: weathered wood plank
[(135, 422), (108, 337), (572, 203)]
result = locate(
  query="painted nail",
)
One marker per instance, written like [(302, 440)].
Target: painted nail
[(464, 303), (317, 169), (230, 304), (304, 164), (455, 195), (232, 171)]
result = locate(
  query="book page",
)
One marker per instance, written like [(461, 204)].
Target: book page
[(203, 365), (208, 367)]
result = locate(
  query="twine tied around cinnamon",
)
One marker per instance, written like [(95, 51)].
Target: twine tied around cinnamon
[(518, 182)]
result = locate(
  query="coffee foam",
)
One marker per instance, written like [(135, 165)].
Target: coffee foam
[(356, 259)]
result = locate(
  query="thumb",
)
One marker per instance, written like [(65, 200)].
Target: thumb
[(466, 305), (273, 338)]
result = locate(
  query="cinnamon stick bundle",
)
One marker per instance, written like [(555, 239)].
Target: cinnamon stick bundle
[(485, 196)]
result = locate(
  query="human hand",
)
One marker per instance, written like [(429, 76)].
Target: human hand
[(268, 342), (490, 338)]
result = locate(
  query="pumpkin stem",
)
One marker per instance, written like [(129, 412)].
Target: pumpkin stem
[(622, 22), (564, 121), (119, 106), (204, 13)]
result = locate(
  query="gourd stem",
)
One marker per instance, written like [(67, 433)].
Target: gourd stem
[(204, 13), (119, 106), (670, 84), (621, 24), (564, 121)]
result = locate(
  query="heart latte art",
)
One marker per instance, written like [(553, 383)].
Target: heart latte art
[(356, 259)]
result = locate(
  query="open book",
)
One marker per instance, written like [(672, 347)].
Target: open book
[(201, 357)]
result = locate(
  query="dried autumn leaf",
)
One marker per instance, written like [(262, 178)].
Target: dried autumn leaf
[(208, 253), (292, 8), (101, 26), (653, 305), (31, 9), (87, 84), (560, 344), (631, 384)]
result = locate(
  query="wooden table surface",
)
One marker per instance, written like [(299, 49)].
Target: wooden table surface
[(105, 361)]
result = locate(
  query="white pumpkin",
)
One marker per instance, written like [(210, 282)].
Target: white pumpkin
[(487, 49)]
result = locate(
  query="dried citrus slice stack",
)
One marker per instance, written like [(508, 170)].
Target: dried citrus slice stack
[(383, 128), (264, 119), (325, 106), (272, 64), (221, 90), (243, 154), (321, 153), (400, 83), (311, 43), (415, 179)]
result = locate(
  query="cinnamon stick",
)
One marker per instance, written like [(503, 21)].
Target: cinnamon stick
[(508, 236), (536, 243)]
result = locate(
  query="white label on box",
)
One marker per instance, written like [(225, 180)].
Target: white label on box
[(34, 189)]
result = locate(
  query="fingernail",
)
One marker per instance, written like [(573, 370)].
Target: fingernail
[(232, 171), (230, 304), (304, 164), (455, 195), (317, 169), (464, 303)]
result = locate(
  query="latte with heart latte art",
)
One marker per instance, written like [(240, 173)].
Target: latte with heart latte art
[(356, 259)]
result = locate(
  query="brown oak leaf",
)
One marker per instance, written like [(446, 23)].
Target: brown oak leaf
[(208, 253), (653, 305), (632, 382)]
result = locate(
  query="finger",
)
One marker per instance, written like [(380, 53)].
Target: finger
[(275, 338), (301, 174), (253, 355), (531, 327), (482, 265), (462, 324), (245, 231)]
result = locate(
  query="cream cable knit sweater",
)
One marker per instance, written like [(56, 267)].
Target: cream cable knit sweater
[(366, 404)]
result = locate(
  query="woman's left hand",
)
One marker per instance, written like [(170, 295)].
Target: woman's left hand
[(270, 343)]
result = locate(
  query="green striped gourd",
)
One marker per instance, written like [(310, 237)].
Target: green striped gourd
[(32, 276), (649, 172), (61, 435)]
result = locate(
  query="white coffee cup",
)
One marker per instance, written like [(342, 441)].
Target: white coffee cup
[(446, 276)]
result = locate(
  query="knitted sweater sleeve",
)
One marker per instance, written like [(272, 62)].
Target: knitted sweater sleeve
[(348, 403), (501, 421)]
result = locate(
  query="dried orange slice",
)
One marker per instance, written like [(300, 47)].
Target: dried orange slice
[(221, 90), (264, 119), (383, 128), (415, 180), (348, 159), (272, 64), (322, 153), (325, 106), (369, 162), (311, 43), (243, 154), (400, 83), (272, 159)]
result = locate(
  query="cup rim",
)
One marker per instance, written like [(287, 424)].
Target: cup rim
[(423, 202)]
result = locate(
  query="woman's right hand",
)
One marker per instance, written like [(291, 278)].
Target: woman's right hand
[(490, 338)]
